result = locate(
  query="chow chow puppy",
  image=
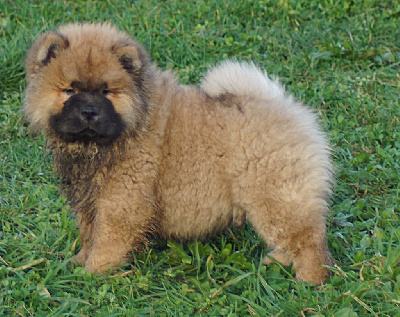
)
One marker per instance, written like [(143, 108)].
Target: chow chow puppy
[(140, 155)]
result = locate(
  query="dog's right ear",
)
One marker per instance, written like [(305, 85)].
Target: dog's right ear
[(43, 50), (52, 44)]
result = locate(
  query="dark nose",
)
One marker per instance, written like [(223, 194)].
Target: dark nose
[(89, 113)]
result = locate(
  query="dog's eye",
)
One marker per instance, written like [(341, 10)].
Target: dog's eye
[(106, 92), (69, 91)]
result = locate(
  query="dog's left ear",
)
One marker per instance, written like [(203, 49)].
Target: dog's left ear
[(129, 57)]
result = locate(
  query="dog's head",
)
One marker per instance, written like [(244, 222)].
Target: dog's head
[(86, 83)]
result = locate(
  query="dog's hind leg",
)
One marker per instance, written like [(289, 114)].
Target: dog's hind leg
[(297, 236)]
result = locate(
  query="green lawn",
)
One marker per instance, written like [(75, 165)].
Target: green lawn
[(340, 57)]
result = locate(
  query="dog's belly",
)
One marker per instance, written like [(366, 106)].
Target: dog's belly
[(195, 212), (196, 223)]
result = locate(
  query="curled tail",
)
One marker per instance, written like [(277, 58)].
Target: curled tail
[(247, 80), (242, 79)]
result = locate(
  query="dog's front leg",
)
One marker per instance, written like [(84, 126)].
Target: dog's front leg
[(84, 224), (121, 224)]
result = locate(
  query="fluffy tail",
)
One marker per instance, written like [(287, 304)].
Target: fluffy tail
[(243, 79)]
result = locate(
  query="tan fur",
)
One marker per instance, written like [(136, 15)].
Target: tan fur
[(191, 160)]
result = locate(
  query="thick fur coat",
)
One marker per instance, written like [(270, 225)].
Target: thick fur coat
[(141, 155)]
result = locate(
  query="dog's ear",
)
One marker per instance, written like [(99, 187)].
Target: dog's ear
[(130, 58), (43, 50), (52, 44)]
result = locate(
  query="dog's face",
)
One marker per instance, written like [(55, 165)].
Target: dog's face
[(86, 84), (88, 115)]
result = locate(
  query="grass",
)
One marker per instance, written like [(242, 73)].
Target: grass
[(340, 57)]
